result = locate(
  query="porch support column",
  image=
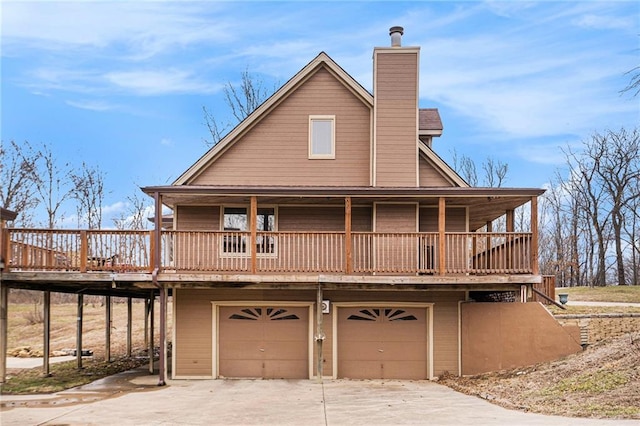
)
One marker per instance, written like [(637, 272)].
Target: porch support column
[(157, 264), (510, 216), (151, 326), (442, 249), (47, 333), (347, 235), (254, 234), (107, 328), (4, 304), (129, 323), (79, 331), (319, 333), (511, 243), (534, 236)]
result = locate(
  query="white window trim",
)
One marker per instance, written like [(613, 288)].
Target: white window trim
[(332, 155), (248, 252)]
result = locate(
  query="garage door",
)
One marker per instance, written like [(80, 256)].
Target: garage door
[(382, 343), (264, 341)]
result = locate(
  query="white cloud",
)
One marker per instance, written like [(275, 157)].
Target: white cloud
[(607, 22), (166, 142), (92, 105), (159, 82)]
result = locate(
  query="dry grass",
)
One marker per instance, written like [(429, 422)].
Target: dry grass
[(613, 293), (603, 381), (22, 331)]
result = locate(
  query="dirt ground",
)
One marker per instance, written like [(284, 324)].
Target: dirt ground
[(603, 381)]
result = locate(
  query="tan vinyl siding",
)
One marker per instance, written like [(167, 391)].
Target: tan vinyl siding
[(193, 322), (396, 109), (455, 219), (276, 150), (396, 218), (198, 218), (193, 334), (430, 176), (309, 219)]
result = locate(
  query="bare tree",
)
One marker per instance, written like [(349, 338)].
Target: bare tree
[(136, 215), (88, 191), (466, 168), (495, 172), (634, 82), (19, 176), (242, 100), (52, 185), (616, 155)]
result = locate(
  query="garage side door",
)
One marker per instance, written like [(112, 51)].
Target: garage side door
[(382, 343), (263, 341)]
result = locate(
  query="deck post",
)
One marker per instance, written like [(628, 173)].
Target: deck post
[(347, 235), (442, 253), (511, 244), (4, 304), (489, 258), (83, 251), (47, 333), (254, 234), (152, 302), (107, 329), (129, 323), (79, 332), (319, 333), (535, 268), (157, 264)]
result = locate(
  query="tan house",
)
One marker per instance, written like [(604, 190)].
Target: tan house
[(323, 236)]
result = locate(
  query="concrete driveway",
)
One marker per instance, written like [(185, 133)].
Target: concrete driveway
[(132, 398)]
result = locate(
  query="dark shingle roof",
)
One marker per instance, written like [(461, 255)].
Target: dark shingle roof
[(429, 120)]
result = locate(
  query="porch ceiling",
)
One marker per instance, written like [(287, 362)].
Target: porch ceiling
[(485, 204)]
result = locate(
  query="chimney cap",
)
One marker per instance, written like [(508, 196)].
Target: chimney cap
[(396, 30)]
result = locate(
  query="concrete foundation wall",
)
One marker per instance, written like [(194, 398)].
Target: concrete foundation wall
[(496, 336)]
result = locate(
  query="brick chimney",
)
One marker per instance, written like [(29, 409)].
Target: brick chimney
[(395, 133)]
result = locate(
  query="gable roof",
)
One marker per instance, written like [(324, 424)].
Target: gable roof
[(446, 170), (322, 60)]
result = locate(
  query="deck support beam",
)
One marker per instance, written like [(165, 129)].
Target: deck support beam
[(129, 323), (4, 304), (442, 249), (79, 331), (162, 289), (347, 237), (107, 328), (151, 326), (253, 223), (534, 236), (47, 333), (319, 333)]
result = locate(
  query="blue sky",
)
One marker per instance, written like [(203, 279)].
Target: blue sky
[(122, 84)]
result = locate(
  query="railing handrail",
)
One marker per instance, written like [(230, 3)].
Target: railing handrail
[(270, 251)]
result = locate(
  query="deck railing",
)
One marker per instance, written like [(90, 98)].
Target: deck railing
[(270, 252)]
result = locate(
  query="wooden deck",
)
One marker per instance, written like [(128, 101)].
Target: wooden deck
[(280, 253)]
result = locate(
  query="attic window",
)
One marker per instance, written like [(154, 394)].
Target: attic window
[(322, 137)]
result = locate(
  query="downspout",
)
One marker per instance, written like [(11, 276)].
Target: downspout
[(157, 235)]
